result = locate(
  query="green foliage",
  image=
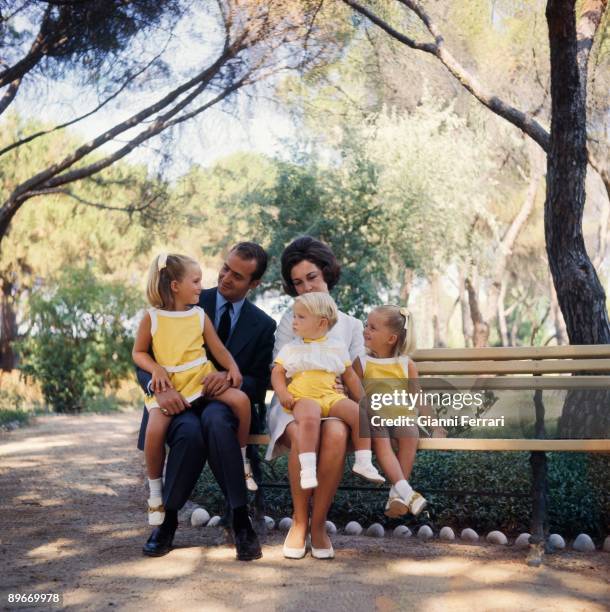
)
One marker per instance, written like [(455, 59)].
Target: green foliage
[(79, 341), (578, 500)]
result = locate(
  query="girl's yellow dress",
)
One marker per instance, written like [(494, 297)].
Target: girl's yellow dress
[(313, 366), (177, 343)]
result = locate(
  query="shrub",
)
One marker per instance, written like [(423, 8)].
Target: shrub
[(80, 341)]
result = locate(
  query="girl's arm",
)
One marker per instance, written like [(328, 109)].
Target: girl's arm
[(160, 380), (352, 384), (415, 387), (278, 382), (220, 353), (358, 368)]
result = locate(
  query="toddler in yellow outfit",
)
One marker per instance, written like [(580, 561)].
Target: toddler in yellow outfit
[(177, 333), (389, 337), (311, 363)]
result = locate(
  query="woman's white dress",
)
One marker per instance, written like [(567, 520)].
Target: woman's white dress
[(348, 330)]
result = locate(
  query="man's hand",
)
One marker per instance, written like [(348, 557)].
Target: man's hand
[(171, 402), (160, 380), (215, 384)]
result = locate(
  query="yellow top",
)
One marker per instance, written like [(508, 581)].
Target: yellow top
[(312, 365), (178, 346), (386, 376)]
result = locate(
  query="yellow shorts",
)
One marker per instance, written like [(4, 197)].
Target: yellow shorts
[(326, 401)]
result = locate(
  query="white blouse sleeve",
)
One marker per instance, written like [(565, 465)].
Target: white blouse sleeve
[(284, 333), (356, 344)]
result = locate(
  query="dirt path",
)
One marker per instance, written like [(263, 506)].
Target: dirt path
[(71, 521)]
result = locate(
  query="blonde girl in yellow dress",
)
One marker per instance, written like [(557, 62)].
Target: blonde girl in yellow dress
[(304, 376), (389, 338), (177, 332)]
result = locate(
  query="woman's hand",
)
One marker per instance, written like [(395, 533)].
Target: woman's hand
[(287, 400), (234, 376), (160, 380), (439, 432)]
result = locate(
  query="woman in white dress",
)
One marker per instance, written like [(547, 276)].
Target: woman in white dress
[(309, 265)]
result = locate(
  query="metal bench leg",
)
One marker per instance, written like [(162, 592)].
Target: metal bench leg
[(539, 498)]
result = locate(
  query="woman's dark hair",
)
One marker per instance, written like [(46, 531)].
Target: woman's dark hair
[(318, 253)]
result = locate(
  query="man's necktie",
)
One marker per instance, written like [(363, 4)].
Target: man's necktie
[(224, 326)]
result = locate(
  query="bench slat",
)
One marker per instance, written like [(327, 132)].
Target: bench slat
[(493, 444), (574, 351), (551, 366), (529, 382)]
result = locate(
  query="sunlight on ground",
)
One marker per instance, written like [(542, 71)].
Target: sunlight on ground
[(34, 444)]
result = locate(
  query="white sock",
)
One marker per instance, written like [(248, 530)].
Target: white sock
[(308, 461), (364, 457), (243, 453), (404, 489), (156, 488)]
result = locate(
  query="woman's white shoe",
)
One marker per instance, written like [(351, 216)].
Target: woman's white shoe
[(323, 553), (293, 553)]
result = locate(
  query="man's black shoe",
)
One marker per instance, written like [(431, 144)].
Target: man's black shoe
[(247, 545), (160, 541)]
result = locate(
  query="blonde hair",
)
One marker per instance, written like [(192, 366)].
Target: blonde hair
[(165, 268), (320, 304), (399, 321)]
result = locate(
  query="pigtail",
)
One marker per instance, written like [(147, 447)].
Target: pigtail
[(164, 269)]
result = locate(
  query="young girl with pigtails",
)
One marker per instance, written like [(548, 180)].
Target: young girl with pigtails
[(389, 338), (178, 332)]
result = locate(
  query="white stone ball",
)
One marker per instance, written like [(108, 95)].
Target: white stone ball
[(556, 541), (583, 543), (523, 540), (331, 528), (446, 533), (269, 522), (213, 522), (606, 546), (375, 531), (497, 537), (470, 535), (402, 531), (353, 528), (425, 533), (285, 524), (199, 517)]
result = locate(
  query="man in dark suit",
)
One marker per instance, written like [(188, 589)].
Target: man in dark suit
[(210, 435)]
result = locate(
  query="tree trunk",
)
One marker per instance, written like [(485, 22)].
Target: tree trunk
[(579, 291), (8, 328), (502, 328), (561, 334), (407, 286), (467, 328), (480, 335), (439, 341)]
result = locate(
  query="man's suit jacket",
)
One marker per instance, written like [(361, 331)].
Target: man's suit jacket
[(251, 344)]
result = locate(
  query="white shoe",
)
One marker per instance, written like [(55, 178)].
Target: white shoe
[(368, 472), (156, 511), (294, 553), (250, 482), (417, 503), (323, 553), (308, 479), (396, 506)]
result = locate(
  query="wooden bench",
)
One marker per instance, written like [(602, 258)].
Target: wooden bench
[(535, 368)]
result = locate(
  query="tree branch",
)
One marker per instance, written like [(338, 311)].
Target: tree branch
[(85, 202)]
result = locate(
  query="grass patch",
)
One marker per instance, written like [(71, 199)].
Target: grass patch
[(9, 416)]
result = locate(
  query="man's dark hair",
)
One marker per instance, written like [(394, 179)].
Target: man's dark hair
[(251, 250), (318, 253)]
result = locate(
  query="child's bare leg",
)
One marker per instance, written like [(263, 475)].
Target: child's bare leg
[(387, 459), (154, 452), (239, 403), (407, 447), (306, 413), (307, 417), (154, 443), (348, 411)]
